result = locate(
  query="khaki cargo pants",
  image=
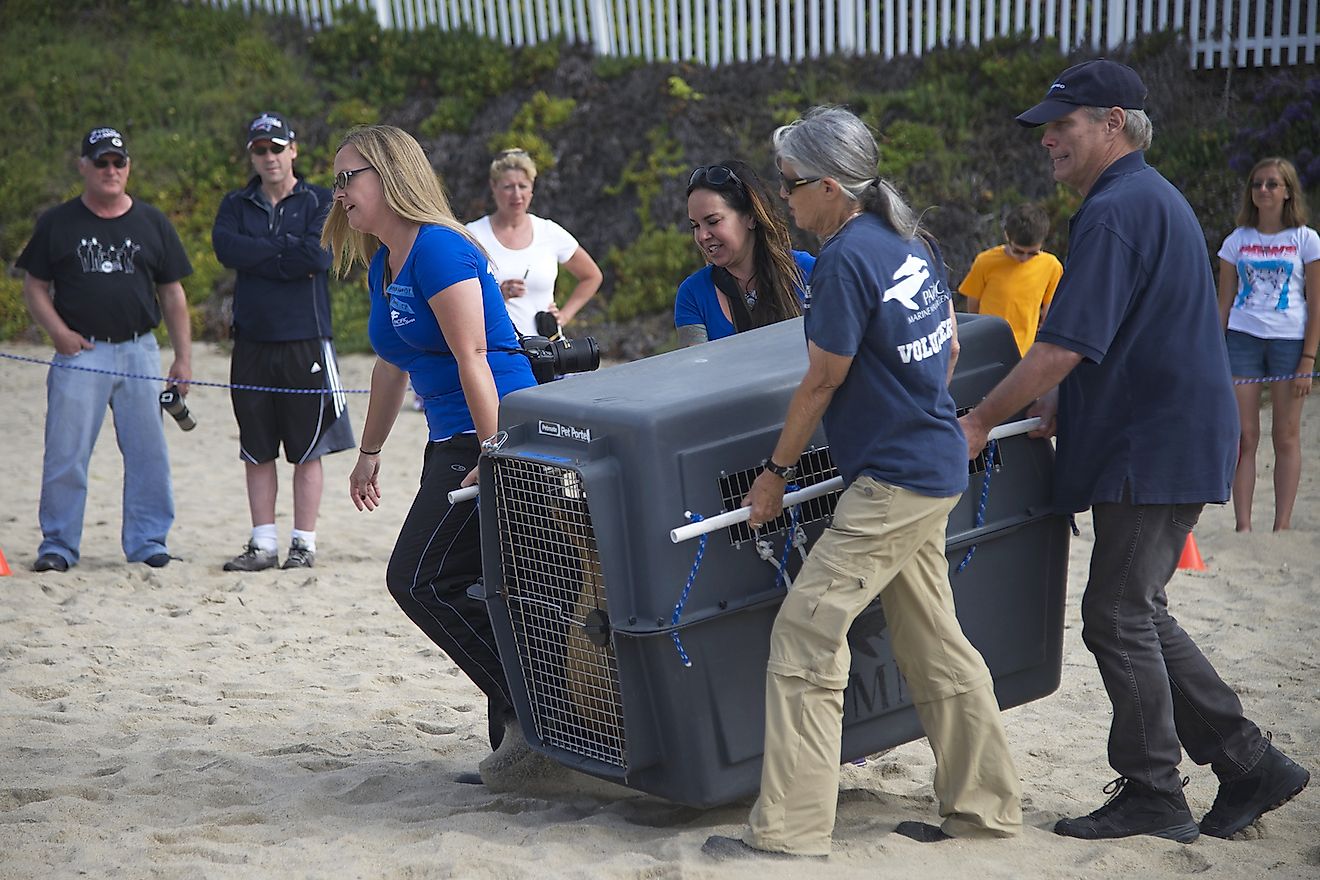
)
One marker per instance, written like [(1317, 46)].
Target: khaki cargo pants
[(888, 541)]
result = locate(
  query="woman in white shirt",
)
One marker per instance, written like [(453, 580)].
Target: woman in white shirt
[(1269, 281), (528, 250)]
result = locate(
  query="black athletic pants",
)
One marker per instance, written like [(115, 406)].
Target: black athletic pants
[(436, 558)]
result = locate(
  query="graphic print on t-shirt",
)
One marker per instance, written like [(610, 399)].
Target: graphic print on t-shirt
[(401, 311), (107, 258), (910, 277), (1263, 280)]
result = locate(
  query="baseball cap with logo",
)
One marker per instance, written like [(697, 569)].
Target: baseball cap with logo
[(269, 127), (101, 140), (1099, 83)]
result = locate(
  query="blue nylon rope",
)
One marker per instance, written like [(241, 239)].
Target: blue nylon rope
[(19, 357), (687, 589), (985, 495)]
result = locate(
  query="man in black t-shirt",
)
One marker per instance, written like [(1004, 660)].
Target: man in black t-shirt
[(102, 269)]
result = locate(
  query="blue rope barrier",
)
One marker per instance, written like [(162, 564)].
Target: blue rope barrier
[(985, 496), (31, 360)]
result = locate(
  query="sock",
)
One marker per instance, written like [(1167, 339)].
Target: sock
[(308, 538), (266, 538)]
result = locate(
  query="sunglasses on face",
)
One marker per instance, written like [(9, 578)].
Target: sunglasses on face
[(715, 175), (343, 178), (117, 161), (1270, 185), (789, 184), (273, 148)]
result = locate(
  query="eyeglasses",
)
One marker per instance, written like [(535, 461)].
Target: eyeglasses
[(342, 178), (117, 161), (715, 175), (1270, 185), (789, 184), (273, 148)]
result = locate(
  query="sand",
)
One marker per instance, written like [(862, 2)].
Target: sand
[(187, 722)]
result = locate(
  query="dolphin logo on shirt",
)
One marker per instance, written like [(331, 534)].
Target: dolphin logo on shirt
[(911, 277)]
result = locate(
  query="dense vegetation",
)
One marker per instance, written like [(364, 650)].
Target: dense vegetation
[(614, 138)]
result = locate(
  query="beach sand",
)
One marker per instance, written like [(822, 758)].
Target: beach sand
[(191, 723)]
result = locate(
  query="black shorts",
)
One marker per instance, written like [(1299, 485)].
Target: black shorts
[(309, 425)]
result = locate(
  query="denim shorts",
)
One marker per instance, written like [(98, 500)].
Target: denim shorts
[(1251, 357)]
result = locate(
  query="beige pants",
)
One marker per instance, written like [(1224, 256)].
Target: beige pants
[(888, 541)]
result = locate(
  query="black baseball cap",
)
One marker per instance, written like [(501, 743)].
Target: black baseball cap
[(1099, 83), (269, 127), (101, 140)]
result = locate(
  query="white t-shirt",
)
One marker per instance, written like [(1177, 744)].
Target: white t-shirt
[(1271, 298), (537, 264)]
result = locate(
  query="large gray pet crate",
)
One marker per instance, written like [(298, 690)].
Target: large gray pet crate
[(581, 577)]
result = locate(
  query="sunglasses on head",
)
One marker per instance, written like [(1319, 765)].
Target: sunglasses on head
[(343, 178), (515, 151), (273, 148), (105, 162), (715, 175)]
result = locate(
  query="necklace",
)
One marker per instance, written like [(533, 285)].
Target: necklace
[(850, 218)]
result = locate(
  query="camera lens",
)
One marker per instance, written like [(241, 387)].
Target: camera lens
[(172, 402), (576, 355)]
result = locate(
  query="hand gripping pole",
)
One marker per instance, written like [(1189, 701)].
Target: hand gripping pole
[(733, 517)]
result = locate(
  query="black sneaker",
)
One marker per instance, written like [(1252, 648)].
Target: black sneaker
[(50, 562), (299, 555), (253, 558), (158, 560), (1134, 809), (1275, 780)]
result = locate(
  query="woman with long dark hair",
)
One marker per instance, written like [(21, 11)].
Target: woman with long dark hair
[(752, 276)]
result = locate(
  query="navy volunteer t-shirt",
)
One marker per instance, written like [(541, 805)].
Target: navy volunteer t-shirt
[(884, 302), (404, 331), (105, 271), (1150, 409)]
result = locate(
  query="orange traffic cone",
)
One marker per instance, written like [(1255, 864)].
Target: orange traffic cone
[(4, 566), (1191, 557)]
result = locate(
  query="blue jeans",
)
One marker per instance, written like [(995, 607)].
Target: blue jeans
[(75, 407), (1163, 690)]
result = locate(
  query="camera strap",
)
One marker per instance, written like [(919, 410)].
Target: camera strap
[(742, 316)]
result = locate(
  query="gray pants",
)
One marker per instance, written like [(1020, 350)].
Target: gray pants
[(1162, 688)]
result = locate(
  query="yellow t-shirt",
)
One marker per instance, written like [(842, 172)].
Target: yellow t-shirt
[(1014, 291)]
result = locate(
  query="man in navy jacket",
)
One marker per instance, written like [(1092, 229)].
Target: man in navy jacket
[(270, 233)]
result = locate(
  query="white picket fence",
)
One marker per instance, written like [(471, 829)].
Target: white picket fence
[(1229, 33)]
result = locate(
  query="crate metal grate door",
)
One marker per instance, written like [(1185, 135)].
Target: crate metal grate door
[(558, 609)]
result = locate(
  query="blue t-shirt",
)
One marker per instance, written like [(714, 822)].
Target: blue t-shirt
[(884, 302), (1150, 409), (404, 331), (697, 303)]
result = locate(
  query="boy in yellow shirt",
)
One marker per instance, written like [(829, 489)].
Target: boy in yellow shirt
[(1015, 280)]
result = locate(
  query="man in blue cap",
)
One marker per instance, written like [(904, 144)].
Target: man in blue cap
[(1130, 368)]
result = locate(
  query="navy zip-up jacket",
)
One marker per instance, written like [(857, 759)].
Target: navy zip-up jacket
[(283, 291)]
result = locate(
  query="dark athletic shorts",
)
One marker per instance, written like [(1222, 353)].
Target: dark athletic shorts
[(309, 425)]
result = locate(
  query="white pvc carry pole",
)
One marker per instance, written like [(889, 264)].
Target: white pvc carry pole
[(724, 520), (467, 493)]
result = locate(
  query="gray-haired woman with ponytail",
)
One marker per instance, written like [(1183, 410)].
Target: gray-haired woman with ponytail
[(879, 327)]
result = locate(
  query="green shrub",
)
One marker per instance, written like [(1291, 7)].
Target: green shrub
[(647, 272)]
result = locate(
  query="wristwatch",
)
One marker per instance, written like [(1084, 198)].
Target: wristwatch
[(785, 473)]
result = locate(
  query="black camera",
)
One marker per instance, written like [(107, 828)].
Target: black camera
[(554, 358), (172, 402)]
